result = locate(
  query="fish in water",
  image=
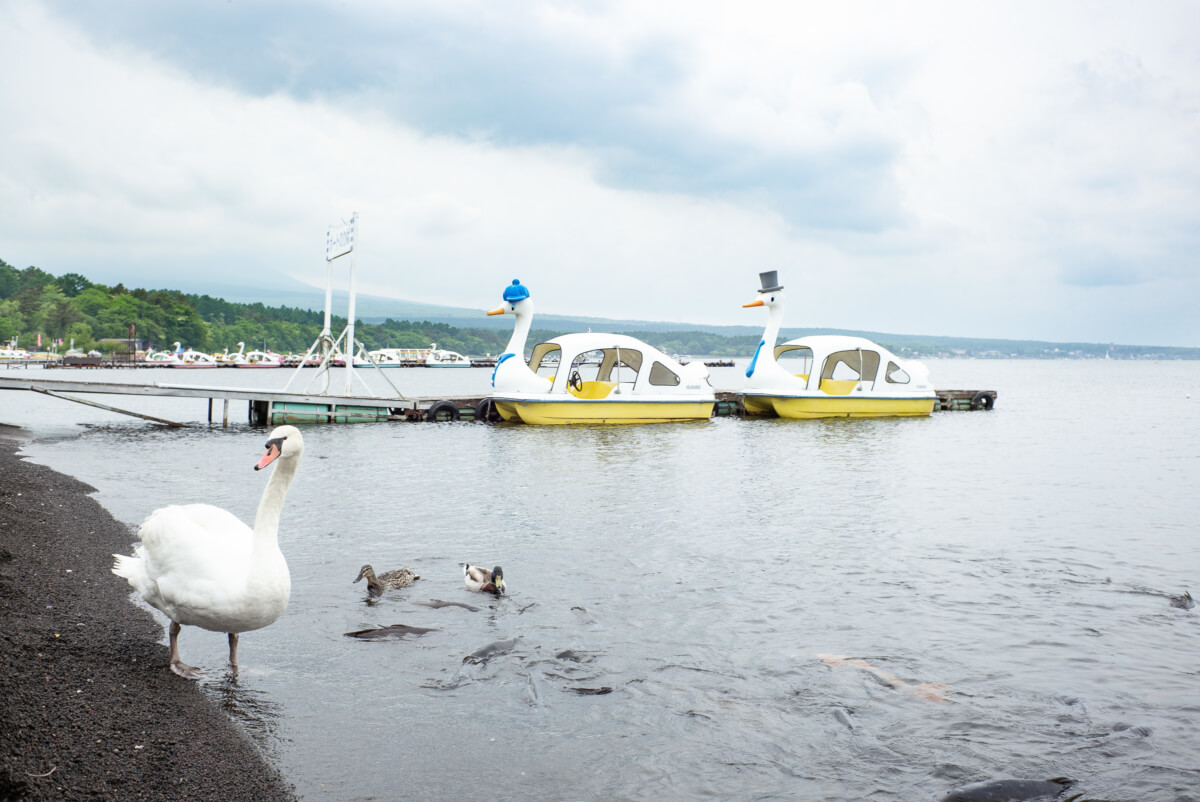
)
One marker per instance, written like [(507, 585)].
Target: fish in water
[(929, 691), (601, 691), (438, 604), (393, 631), (1009, 790), (485, 653)]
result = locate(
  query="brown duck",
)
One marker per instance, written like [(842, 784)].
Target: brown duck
[(388, 580)]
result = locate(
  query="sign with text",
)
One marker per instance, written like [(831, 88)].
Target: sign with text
[(340, 240)]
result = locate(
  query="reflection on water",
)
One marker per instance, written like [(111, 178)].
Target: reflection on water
[(252, 708), (672, 587)]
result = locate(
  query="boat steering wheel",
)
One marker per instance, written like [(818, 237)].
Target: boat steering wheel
[(576, 381)]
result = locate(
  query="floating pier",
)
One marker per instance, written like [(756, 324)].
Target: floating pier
[(273, 407)]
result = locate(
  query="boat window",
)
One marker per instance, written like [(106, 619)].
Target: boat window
[(896, 374), (545, 358), (624, 371), (662, 376), (587, 364), (851, 365), (795, 359)]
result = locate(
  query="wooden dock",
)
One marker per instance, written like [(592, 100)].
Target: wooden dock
[(271, 407)]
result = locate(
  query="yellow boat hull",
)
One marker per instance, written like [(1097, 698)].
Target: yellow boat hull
[(838, 407), (568, 412)]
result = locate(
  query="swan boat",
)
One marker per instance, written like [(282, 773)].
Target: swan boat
[(229, 360), (441, 358), (829, 376), (261, 359), (591, 377), (193, 359)]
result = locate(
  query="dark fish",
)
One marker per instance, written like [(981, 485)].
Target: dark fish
[(393, 631), (1009, 790), (573, 656), (844, 717), (485, 653), (438, 604), (593, 691)]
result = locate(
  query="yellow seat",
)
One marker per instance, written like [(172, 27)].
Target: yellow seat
[(593, 391), (838, 386)]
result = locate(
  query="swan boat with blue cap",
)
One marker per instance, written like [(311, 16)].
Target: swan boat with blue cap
[(591, 377), (829, 376)]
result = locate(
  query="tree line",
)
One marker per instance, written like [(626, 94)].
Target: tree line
[(70, 308)]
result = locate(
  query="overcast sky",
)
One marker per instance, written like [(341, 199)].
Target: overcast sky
[(1005, 169)]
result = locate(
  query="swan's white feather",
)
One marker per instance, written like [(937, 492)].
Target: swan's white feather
[(198, 564)]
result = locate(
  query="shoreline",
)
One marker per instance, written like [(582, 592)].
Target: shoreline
[(90, 709)]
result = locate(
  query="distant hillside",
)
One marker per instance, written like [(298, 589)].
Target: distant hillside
[(36, 306)]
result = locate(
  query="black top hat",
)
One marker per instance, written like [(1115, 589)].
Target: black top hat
[(770, 281)]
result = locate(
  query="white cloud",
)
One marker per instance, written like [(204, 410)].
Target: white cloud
[(925, 168)]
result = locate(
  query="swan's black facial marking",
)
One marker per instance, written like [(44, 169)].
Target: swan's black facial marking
[(277, 442)]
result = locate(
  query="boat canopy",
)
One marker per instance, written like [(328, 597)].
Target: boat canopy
[(616, 359), (844, 359)]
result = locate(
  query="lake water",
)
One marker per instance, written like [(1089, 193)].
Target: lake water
[(1023, 558)]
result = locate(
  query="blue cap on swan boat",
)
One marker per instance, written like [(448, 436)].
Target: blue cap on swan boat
[(515, 292)]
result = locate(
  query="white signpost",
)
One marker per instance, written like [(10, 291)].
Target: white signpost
[(339, 241)]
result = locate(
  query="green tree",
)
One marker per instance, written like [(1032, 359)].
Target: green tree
[(10, 280), (72, 284), (81, 334), (61, 316)]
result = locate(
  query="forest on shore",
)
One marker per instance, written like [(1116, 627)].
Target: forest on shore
[(80, 313), (69, 310)]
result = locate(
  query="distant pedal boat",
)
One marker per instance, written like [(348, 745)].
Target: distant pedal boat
[(261, 359), (829, 376), (441, 358), (592, 378), (193, 359)]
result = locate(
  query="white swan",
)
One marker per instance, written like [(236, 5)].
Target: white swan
[(203, 567)]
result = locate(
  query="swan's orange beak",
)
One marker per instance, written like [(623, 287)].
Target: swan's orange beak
[(759, 302), (499, 310), (271, 455)]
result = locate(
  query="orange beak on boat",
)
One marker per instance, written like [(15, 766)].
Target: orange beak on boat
[(500, 310), (759, 302)]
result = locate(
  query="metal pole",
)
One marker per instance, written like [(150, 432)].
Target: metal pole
[(350, 342)]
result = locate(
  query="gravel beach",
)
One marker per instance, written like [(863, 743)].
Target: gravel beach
[(88, 707)]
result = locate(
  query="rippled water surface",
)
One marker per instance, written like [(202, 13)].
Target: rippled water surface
[(1023, 558)]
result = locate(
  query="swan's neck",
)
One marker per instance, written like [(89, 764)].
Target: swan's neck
[(523, 318), (771, 332), (266, 521)]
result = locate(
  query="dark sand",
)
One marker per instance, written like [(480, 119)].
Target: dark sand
[(88, 707)]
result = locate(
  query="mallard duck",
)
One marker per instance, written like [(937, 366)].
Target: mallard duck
[(388, 580), (203, 567), (481, 579)]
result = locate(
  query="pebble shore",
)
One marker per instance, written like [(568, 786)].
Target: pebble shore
[(89, 708)]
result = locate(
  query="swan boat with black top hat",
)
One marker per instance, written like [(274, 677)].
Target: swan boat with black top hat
[(828, 375), (591, 377)]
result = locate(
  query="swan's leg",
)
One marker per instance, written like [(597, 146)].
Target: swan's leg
[(177, 665), (233, 641)]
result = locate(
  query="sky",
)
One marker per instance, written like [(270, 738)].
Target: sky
[(1020, 170)]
